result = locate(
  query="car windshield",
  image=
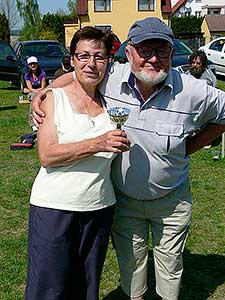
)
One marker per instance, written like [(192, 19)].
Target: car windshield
[(180, 48), (43, 51)]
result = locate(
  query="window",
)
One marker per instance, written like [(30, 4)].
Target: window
[(104, 27), (214, 11), (217, 45), (146, 5), (102, 5)]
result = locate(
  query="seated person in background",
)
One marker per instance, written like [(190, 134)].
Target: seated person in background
[(198, 67), (65, 67), (35, 80)]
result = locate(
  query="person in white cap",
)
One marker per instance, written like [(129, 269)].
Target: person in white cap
[(35, 80), (171, 116)]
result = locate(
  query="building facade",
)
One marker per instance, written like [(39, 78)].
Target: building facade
[(116, 15)]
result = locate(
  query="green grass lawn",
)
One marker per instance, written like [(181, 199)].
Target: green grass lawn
[(204, 257)]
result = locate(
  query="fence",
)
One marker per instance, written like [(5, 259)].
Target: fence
[(194, 43)]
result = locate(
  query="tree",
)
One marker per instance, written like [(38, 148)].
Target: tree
[(72, 7), (47, 35), (53, 23), (4, 28), (186, 26), (8, 7), (29, 11)]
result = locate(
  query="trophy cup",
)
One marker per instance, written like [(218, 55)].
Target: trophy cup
[(118, 115)]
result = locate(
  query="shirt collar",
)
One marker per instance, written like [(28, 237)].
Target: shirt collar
[(169, 80)]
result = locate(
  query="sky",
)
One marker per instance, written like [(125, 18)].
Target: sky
[(52, 6), (46, 6)]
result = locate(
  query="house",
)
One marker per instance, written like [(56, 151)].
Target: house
[(116, 15), (197, 7), (213, 26), (213, 7), (213, 11)]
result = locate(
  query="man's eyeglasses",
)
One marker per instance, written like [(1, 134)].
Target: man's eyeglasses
[(85, 57), (146, 52)]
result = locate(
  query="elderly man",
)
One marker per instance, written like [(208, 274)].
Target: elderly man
[(169, 119)]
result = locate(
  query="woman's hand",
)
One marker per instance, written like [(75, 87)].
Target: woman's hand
[(112, 141), (26, 91)]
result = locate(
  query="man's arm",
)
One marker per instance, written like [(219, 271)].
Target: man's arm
[(204, 137), (37, 113)]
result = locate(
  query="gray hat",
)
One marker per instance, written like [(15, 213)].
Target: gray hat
[(150, 28)]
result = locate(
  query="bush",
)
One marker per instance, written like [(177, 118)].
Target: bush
[(186, 27)]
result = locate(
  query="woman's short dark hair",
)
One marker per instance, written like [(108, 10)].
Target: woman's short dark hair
[(92, 33), (202, 56)]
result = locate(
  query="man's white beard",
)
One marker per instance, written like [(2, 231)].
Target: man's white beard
[(148, 80)]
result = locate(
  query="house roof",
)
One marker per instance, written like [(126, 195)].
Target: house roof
[(166, 6), (82, 7), (177, 6), (215, 22)]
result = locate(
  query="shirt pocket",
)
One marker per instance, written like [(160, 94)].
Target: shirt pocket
[(169, 138)]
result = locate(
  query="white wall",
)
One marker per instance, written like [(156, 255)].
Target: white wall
[(195, 6)]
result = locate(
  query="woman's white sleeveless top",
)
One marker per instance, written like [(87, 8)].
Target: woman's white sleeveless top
[(84, 185)]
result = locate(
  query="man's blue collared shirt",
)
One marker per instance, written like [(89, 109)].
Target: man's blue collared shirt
[(158, 128)]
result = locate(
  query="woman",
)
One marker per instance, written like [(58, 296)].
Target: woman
[(72, 199), (35, 80)]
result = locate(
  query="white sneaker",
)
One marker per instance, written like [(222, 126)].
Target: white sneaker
[(215, 154), (34, 128)]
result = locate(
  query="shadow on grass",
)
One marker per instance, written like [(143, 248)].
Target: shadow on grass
[(8, 107), (220, 77), (201, 277)]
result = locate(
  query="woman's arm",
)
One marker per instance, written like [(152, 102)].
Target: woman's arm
[(29, 86), (43, 83), (51, 153)]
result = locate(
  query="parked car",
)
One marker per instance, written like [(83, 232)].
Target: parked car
[(215, 51), (116, 44), (49, 54), (9, 63), (179, 60), (13, 65)]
